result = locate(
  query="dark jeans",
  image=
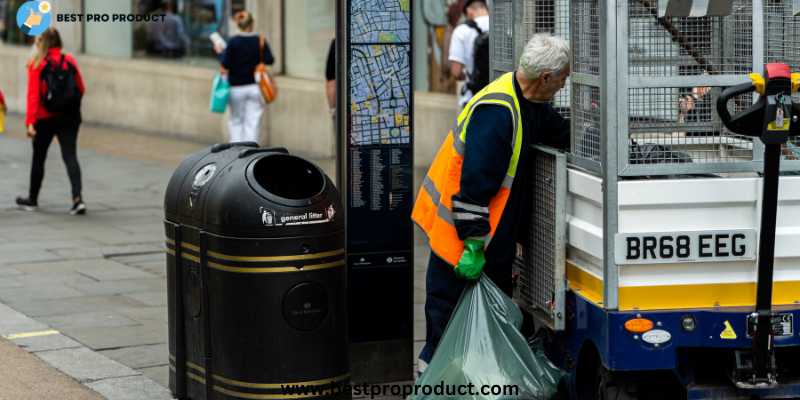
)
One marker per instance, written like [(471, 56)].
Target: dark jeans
[(443, 290), (65, 127)]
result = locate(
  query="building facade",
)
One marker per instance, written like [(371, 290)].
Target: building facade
[(130, 87)]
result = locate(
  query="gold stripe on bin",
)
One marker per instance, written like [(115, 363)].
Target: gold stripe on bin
[(275, 270), (296, 257), (233, 382), (253, 396), (171, 252), (265, 270), (196, 377), (318, 382), (293, 257), (195, 367), (190, 246), (190, 257)]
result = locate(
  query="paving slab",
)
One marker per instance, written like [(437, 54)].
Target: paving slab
[(159, 374), (86, 365), (6, 283), (154, 299), (75, 305), (131, 388), (16, 257), (121, 286), (46, 342), (117, 337), (14, 322), (146, 314), (137, 259), (37, 279), (50, 291), (110, 270), (101, 319), (159, 269), (139, 357)]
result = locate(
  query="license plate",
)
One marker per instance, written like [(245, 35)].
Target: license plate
[(682, 247), (782, 325)]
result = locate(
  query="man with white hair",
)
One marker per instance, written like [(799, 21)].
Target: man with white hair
[(472, 201)]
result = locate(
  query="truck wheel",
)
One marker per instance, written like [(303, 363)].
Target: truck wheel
[(609, 389)]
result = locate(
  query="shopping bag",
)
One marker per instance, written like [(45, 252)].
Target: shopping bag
[(2, 121), (220, 91), (269, 90), (482, 346)]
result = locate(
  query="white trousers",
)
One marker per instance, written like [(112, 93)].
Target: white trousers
[(247, 106)]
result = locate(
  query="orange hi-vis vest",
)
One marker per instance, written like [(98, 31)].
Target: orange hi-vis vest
[(433, 210)]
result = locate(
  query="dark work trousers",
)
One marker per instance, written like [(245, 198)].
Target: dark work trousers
[(65, 127), (443, 290)]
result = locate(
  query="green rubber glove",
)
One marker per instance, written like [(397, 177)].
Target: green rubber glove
[(472, 260)]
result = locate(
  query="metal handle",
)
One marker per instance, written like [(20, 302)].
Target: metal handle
[(725, 97), (225, 146), (250, 152)]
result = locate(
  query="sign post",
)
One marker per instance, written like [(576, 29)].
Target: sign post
[(375, 111)]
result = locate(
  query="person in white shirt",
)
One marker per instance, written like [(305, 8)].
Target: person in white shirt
[(461, 46)]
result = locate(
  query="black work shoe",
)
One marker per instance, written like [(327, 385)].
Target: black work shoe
[(27, 204), (78, 208)]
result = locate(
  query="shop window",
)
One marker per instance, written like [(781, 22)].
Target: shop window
[(8, 24), (310, 25), (196, 19)]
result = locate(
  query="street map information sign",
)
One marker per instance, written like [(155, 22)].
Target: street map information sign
[(379, 140), (378, 184)]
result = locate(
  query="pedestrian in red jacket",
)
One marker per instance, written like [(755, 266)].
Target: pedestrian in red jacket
[(53, 111)]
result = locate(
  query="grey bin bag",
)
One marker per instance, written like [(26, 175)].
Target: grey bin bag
[(482, 345)]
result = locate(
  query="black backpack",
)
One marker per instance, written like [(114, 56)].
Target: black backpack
[(62, 93), (480, 70)]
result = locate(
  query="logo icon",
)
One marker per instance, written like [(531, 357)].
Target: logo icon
[(267, 217), (34, 17)]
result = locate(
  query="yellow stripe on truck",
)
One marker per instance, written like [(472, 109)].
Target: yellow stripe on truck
[(585, 284), (670, 297), (677, 297)]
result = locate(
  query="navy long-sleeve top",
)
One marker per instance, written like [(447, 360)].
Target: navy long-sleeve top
[(486, 159), (240, 58)]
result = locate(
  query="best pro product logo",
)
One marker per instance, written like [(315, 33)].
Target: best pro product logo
[(33, 17)]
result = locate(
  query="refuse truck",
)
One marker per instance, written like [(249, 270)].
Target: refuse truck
[(662, 257)]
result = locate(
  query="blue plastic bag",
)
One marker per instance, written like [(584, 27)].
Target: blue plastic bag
[(220, 91), (482, 346)]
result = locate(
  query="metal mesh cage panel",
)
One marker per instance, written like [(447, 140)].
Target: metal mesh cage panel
[(679, 46), (782, 44), (538, 259), (586, 119), (782, 33), (502, 37), (669, 126), (585, 26), (547, 16)]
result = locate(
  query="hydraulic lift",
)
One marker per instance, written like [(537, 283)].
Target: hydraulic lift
[(773, 119)]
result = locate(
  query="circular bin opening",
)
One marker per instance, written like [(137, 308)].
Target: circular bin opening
[(288, 177)]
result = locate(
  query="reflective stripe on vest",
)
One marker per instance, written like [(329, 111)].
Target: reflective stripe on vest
[(433, 207)]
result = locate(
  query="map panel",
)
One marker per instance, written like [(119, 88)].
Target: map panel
[(380, 94), (380, 21)]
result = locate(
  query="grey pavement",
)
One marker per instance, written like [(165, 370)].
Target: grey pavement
[(98, 281)]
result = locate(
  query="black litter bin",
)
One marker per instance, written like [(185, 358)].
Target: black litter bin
[(256, 276)]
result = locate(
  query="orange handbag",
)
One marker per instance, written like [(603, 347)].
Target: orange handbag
[(265, 82)]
